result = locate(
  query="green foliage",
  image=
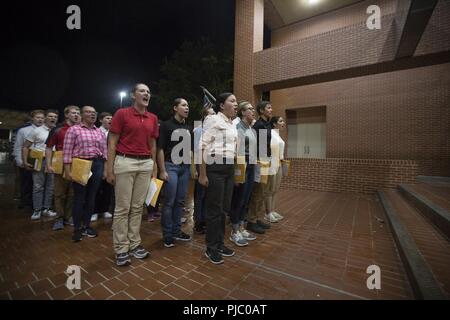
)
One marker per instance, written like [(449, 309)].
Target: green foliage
[(192, 65)]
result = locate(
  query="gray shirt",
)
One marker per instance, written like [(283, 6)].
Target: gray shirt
[(247, 142)]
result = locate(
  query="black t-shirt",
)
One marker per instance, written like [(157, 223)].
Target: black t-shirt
[(166, 130), (263, 124)]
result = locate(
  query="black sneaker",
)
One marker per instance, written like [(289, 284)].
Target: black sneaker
[(263, 225), (254, 227), (168, 243), (123, 259), (139, 252), (199, 229), (226, 252), (91, 233), (215, 257), (77, 235), (182, 237)]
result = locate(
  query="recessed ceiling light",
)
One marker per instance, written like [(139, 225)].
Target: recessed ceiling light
[(312, 2)]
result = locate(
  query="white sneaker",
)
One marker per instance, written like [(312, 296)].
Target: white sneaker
[(94, 217), (107, 215), (247, 235), (49, 213), (269, 217), (36, 215), (238, 239), (183, 219), (277, 215)]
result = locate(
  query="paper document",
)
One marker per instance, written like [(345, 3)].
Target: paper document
[(153, 192)]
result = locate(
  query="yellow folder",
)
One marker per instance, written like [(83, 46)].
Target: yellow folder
[(35, 158), (262, 171), (153, 192), (57, 162), (81, 170), (286, 167), (239, 170)]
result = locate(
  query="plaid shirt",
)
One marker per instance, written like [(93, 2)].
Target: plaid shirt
[(83, 142)]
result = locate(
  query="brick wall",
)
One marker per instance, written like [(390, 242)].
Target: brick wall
[(353, 175)]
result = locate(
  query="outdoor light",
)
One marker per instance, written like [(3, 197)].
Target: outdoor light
[(122, 94)]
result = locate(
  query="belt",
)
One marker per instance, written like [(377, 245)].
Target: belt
[(133, 156)]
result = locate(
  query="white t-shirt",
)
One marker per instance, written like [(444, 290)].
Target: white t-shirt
[(38, 136), (277, 145)]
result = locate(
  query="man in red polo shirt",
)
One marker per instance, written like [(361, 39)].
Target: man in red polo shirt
[(130, 166), (63, 187)]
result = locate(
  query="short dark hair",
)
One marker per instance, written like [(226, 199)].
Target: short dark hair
[(261, 106), (104, 114), (220, 100), (37, 111), (274, 120), (136, 85), (51, 111)]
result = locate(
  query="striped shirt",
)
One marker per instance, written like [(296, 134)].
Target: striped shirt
[(83, 142)]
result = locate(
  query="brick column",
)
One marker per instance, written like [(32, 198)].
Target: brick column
[(249, 32)]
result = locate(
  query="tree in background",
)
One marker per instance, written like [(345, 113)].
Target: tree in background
[(194, 64)]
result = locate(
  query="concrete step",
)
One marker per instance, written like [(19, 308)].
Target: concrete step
[(425, 252), (432, 201)]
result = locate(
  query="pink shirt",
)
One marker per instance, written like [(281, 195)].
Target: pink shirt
[(83, 142)]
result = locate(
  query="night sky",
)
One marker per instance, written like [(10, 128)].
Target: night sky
[(43, 64)]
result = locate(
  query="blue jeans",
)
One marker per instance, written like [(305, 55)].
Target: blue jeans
[(174, 193), (241, 196), (43, 189), (84, 196)]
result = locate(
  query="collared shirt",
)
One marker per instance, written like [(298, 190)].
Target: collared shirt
[(38, 136), (20, 139), (219, 136), (247, 142), (56, 137), (263, 128), (105, 131), (166, 131), (83, 142), (134, 130)]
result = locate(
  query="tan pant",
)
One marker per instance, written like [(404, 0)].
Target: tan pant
[(63, 197), (272, 191), (260, 192), (132, 183)]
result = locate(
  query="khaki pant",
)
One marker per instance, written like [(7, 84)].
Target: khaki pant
[(132, 183), (63, 197), (256, 209), (272, 191)]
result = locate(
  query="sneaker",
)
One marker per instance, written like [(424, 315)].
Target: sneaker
[(69, 222), (255, 228), (226, 252), (247, 235), (263, 225), (182, 237), (168, 243), (94, 217), (199, 229), (238, 239), (36, 215), (183, 219), (49, 213), (277, 215), (123, 259), (214, 257), (139, 252), (77, 235), (91, 233), (270, 217), (58, 225), (107, 215)]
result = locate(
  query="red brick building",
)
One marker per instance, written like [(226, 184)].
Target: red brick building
[(366, 109)]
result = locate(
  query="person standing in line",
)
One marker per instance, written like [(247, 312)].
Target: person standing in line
[(85, 141), (105, 193), (63, 187), (43, 184), (277, 149), (174, 169), (131, 165), (217, 173), (242, 191)]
